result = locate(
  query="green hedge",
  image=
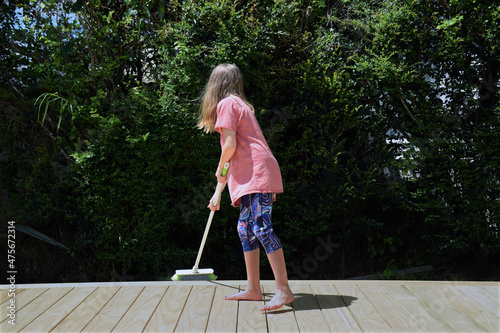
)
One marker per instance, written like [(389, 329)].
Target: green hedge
[(381, 115)]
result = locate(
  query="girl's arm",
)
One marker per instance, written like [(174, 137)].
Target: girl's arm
[(228, 150)]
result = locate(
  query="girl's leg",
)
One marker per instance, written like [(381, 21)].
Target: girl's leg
[(252, 291), (251, 253), (283, 293), (261, 210)]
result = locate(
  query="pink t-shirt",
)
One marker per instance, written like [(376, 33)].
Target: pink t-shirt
[(253, 167)]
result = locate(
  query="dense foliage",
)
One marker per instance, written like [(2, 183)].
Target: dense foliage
[(383, 115)]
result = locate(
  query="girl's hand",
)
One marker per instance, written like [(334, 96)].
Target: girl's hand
[(220, 178), (274, 197), (211, 205)]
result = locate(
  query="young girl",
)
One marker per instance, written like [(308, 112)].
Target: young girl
[(253, 179)]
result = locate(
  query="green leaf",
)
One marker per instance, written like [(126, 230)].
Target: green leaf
[(451, 22), (161, 10), (130, 12)]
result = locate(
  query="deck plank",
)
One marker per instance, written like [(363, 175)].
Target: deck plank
[(250, 318), (479, 313), (224, 314), (482, 296), (87, 310), (335, 311), (59, 311), (444, 310), (35, 308), (4, 295), (367, 316), (417, 310), (113, 311), (282, 320), (372, 306), (167, 314), (139, 313), (309, 316), (398, 317), (194, 317), (493, 290), (21, 300)]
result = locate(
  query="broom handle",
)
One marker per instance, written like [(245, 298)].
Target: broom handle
[(218, 191)]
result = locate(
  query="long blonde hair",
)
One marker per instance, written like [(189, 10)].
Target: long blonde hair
[(225, 80)]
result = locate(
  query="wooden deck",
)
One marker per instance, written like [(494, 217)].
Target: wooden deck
[(320, 306)]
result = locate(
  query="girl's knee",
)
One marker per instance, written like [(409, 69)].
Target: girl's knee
[(268, 239)]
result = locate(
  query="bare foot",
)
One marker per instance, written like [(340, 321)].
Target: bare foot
[(250, 295), (282, 297)]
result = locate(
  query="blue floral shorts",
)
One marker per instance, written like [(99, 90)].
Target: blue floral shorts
[(254, 224)]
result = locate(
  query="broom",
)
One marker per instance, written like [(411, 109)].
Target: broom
[(202, 273)]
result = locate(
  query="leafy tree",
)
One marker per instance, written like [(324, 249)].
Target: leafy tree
[(382, 115), (432, 70)]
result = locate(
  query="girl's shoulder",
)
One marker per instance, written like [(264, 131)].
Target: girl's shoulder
[(231, 99), (237, 102), (227, 103), (231, 102)]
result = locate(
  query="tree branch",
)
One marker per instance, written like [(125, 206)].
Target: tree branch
[(408, 109)]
